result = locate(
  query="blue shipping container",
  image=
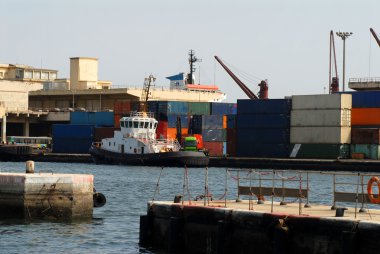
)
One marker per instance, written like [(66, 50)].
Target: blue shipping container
[(223, 108), (173, 107), (95, 118), (263, 136), (212, 122), (270, 106), (71, 145), (72, 131), (365, 99), (278, 121), (231, 121), (195, 124), (172, 121), (218, 135), (262, 150)]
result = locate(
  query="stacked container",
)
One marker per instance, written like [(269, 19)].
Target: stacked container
[(72, 138), (166, 112), (320, 126), (120, 109), (98, 119), (214, 134), (365, 125), (262, 128)]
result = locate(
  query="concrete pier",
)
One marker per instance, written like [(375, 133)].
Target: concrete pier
[(232, 227), (46, 196)]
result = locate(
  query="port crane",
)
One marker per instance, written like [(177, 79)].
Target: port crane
[(375, 36), (263, 93), (333, 81)]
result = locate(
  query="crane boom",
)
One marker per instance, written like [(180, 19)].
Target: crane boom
[(246, 90), (375, 36)]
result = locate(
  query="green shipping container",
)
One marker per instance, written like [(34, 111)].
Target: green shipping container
[(320, 151), (199, 108), (370, 151)]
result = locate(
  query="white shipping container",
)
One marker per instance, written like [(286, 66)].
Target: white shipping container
[(323, 117), (322, 101), (320, 135)]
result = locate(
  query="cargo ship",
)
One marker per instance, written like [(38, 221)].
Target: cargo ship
[(136, 144)]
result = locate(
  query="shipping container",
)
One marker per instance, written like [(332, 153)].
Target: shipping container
[(321, 117), (271, 106), (162, 130), (219, 135), (172, 133), (231, 121), (320, 135), (370, 151), (320, 151), (263, 150), (195, 124), (262, 136), (212, 122), (199, 108), (94, 118), (231, 149), (104, 132), (231, 135), (279, 121), (322, 101), (39, 130), (122, 107), (71, 145), (135, 106), (172, 121), (173, 107), (365, 136), (219, 108), (365, 116), (214, 148), (365, 99), (73, 131)]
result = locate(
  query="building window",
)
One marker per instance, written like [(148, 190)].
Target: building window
[(36, 75), (44, 75), (18, 73), (1, 74), (28, 74), (52, 75)]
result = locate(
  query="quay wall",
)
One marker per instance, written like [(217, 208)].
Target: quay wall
[(196, 229), (46, 196)]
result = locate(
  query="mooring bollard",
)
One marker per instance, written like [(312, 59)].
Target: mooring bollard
[(29, 167)]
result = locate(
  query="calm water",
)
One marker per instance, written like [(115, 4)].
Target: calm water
[(115, 227)]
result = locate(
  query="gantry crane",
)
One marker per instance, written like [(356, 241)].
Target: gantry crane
[(333, 81)]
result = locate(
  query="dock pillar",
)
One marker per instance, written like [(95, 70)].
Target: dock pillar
[(4, 129), (26, 127)]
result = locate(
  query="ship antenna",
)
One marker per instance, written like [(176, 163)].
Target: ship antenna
[(192, 60)]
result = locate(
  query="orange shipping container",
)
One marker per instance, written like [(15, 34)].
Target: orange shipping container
[(224, 122), (172, 132), (365, 116)]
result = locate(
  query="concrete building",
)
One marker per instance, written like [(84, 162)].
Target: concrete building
[(84, 74), (25, 73)]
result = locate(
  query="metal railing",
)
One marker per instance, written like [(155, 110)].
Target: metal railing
[(363, 80)]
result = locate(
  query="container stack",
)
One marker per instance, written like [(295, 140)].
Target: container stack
[(166, 113), (262, 128), (94, 118), (321, 126), (120, 109), (72, 138), (365, 125), (214, 134)]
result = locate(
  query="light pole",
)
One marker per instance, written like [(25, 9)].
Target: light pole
[(344, 35)]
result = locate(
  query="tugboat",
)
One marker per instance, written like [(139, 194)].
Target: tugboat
[(136, 143)]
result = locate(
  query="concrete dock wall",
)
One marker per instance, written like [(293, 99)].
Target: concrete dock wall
[(46, 196), (198, 229)]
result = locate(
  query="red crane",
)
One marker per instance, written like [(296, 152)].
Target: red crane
[(375, 35), (263, 93)]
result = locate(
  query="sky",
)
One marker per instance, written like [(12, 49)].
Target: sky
[(285, 42)]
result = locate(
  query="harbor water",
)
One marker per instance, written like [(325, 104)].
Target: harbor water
[(115, 227)]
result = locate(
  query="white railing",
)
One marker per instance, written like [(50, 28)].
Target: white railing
[(364, 80)]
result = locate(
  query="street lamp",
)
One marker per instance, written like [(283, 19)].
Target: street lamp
[(344, 35)]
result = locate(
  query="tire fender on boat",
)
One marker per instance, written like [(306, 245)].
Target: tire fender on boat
[(371, 181)]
